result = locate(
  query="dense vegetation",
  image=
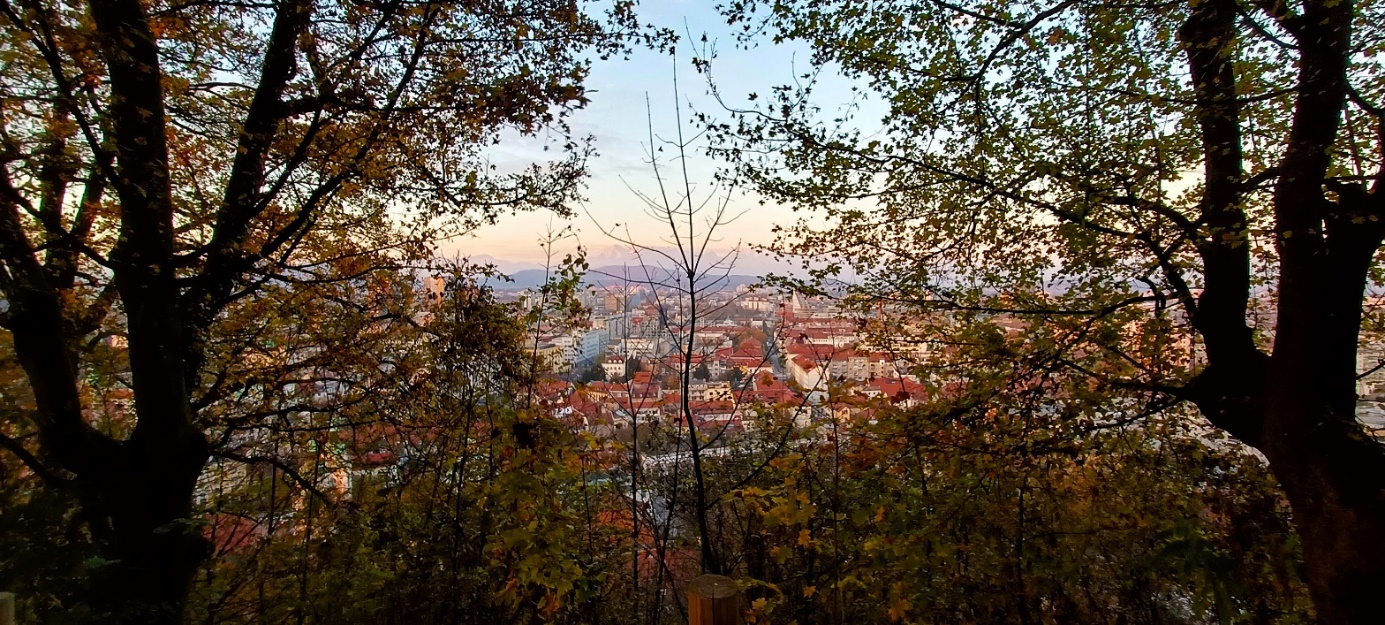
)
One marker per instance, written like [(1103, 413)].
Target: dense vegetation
[(501, 514)]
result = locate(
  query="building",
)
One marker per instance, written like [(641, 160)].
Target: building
[(614, 367), (592, 344), (553, 357)]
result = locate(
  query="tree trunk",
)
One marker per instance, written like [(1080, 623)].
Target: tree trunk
[(152, 545), (1344, 553), (1334, 477)]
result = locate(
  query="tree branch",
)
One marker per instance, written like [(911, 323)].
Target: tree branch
[(280, 465), (29, 460)]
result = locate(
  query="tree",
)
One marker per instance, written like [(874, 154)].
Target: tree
[(383, 525), (684, 271), (594, 372), (1131, 525), (166, 163), (689, 270), (1176, 173)]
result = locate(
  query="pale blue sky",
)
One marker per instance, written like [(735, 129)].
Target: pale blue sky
[(616, 118)]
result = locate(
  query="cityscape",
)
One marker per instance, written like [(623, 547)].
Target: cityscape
[(753, 312)]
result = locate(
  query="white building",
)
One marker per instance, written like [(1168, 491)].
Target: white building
[(593, 342), (614, 366)]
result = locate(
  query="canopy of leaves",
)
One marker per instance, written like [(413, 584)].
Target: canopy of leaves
[(1039, 157)]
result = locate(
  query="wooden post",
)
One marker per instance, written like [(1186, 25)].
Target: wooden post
[(715, 600), (6, 608)]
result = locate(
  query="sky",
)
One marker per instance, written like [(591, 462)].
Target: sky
[(616, 117)]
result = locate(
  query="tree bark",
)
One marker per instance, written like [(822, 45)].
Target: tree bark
[(139, 498), (152, 547), (1334, 480), (1296, 404)]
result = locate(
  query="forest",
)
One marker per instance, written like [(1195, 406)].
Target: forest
[(1080, 320)]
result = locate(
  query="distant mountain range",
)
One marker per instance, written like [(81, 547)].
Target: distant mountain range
[(618, 275)]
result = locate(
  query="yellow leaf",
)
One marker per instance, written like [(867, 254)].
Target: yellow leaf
[(804, 538), (898, 609), (809, 591)]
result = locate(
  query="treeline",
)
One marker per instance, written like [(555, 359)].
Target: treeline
[(407, 469)]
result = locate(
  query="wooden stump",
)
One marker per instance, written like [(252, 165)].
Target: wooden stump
[(715, 600), (6, 608)]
